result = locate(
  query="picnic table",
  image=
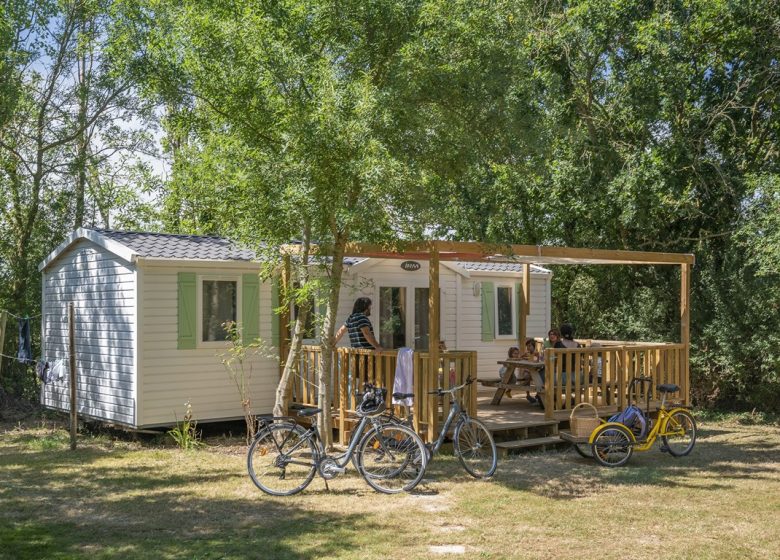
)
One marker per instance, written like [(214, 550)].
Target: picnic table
[(503, 384)]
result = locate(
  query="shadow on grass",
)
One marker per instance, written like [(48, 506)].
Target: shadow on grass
[(90, 504), (719, 459)]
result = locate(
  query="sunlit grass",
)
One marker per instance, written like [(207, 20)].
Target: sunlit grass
[(113, 498)]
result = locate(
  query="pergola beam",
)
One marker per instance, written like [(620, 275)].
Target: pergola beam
[(537, 254)]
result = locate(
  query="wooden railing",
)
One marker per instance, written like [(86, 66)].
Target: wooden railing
[(353, 367), (600, 375)]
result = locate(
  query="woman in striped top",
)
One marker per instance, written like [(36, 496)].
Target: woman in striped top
[(361, 332)]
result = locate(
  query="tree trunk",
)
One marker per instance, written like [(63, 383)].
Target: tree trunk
[(293, 355), (328, 329)]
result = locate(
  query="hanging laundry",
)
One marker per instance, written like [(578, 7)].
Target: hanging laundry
[(24, 355), (404, 368), (57, 370), (43, 371)]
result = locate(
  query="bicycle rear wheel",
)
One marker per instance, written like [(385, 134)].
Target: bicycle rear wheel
[(282, 460), (391, 458), (476, 450), (679, 433), (612, 445)]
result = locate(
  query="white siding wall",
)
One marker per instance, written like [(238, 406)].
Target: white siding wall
[(488, 353), (102, 288), (366, 281), (462, 328), (171, 377)]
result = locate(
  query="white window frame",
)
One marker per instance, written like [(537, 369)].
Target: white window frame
[(200, 343), (512, 312)]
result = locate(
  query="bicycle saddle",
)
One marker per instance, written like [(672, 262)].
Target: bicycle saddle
[(668, 388), (309, 411)]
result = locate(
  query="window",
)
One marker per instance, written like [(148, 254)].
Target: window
[(504, 314), (219, 305)]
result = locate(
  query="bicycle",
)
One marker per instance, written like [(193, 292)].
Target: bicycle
[(613, 443), (284, 456), (472, 442)]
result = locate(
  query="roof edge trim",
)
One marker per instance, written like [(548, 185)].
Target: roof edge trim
[(122, 251)]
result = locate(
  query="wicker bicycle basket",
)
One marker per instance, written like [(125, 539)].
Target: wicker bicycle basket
[(582, 426)]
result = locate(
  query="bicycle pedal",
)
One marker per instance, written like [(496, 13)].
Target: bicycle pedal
[(664, 449)]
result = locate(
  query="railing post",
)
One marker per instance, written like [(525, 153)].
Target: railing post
[(622, 375), (473, 375), (342, 362), (549, 402)]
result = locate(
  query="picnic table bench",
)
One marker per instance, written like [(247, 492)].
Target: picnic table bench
[(503, 383)]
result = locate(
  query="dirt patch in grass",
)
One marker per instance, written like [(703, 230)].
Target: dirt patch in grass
[(118, 498)]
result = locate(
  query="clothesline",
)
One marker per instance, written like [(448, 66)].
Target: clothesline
[(13, 357), (20, 316)]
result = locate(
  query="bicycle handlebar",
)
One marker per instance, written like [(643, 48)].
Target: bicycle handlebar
[(441, 392)]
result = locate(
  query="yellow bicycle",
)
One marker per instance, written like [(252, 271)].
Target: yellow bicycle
[(613, 443)]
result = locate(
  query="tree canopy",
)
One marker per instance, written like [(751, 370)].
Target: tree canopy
[(597, 123)]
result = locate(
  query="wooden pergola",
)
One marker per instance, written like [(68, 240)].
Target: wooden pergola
[(676, 355), (436, 251)]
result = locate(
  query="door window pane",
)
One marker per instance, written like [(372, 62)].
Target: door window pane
[(219, 307), (392, 317), (421, 328), (504, 315)]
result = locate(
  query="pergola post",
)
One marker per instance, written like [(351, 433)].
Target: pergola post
[(524, 307), (685, 326), (433, 337)]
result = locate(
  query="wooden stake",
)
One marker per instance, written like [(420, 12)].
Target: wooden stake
[(3, 317), (72, 368)]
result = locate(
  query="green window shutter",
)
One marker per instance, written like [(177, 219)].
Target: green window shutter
[(186, 339), (488, 312), (250, 312), (274, 316), (519, 307)]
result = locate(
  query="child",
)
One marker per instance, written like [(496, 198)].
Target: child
[(512, 354), (530, 355)]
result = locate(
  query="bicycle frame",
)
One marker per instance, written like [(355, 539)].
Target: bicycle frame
[(456, 412), (313, 433), (456, 415), (655, 431)]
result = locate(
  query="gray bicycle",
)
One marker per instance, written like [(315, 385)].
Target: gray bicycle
[(472, 442), (284, 456)]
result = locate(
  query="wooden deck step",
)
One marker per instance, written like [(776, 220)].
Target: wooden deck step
[(505, 446), (507, 425)]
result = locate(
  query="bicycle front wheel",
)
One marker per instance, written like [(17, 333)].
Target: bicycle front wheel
[(391, 458), (612, 445), (281, 459), (476, 450), (679, 433)]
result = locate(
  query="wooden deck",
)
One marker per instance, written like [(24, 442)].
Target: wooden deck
[(517, 424)]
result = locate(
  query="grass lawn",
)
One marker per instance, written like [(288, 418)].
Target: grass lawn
[(114, 499)]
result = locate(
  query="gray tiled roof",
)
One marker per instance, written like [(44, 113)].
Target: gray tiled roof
[(169, 246), (186, 247), (499, 267)]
